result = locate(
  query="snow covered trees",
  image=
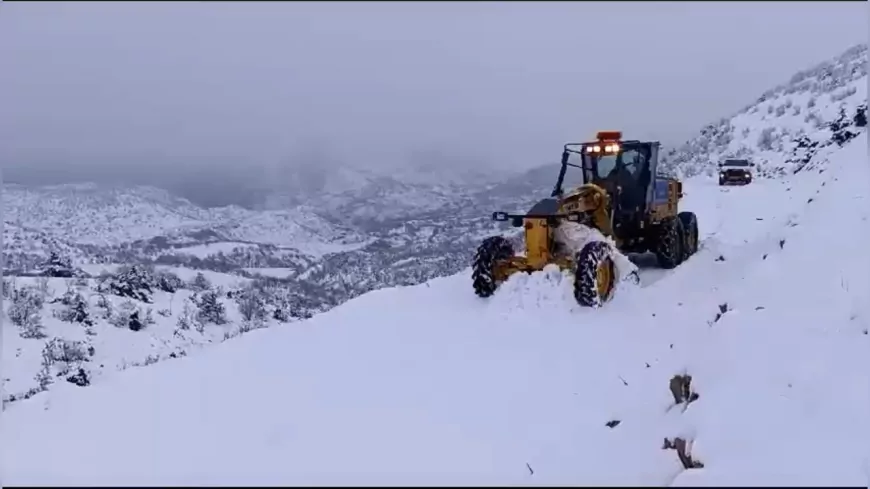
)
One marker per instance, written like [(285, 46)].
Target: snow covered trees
[(211, 310), (63, 356), (75, 310), (251, 304), (860, 118), (199, 283), (841, 128), (57, 265), (167, 281), (133, 282), (25, 311)]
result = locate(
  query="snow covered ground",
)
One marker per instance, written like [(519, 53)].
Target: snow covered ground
[(114, 346), (431, 385), (271, 272)]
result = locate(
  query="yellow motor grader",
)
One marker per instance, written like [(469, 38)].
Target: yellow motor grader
[(610, 188)]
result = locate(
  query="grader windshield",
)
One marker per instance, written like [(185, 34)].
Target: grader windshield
[(602, 162)]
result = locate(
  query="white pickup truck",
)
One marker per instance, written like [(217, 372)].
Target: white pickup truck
[(735, 171)]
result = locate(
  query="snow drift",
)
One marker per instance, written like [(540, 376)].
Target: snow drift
[(431, 385)]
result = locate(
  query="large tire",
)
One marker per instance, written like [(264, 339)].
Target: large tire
[(594, 274), (690, 232), (490, 251), (669, 243)]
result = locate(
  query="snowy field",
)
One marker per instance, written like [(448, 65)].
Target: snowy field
[(431, 385)]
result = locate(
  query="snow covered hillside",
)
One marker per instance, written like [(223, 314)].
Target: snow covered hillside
[(747, 365), (78, 329), (770, 130)]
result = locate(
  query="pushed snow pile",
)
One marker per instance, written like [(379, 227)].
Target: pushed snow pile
[(746, 365)]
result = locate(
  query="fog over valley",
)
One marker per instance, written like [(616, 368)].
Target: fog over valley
[(221, 101)]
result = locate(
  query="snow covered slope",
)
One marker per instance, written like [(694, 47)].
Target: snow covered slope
[(431, 385), (54, 326), (767, 130)]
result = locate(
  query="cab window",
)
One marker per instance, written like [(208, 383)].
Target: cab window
[(606, 164), (631, 159)]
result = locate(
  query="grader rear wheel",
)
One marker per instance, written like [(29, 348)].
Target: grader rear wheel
[(669, 242), (690, 233)]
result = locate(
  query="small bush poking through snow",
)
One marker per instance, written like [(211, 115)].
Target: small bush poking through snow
[(105, 306), (121, 317), (134, 323), (251, 304), (860, 118), (842, 128), (8, 285), (65, 356), (25, 311), (187, 318), (684, 452), (131, 316), (60, 350), (80, 378), (75, 309)]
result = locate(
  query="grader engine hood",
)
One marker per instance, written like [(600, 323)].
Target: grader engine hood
[(545, 207), (548, 209)]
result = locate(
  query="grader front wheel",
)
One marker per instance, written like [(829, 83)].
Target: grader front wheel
[(595, 274), (492, 249)]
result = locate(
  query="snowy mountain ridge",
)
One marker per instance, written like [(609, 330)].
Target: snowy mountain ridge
[(96, 216)]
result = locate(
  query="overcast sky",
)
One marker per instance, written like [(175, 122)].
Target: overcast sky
[(249, 84)]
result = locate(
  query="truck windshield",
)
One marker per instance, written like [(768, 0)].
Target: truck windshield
[(740, 163)]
